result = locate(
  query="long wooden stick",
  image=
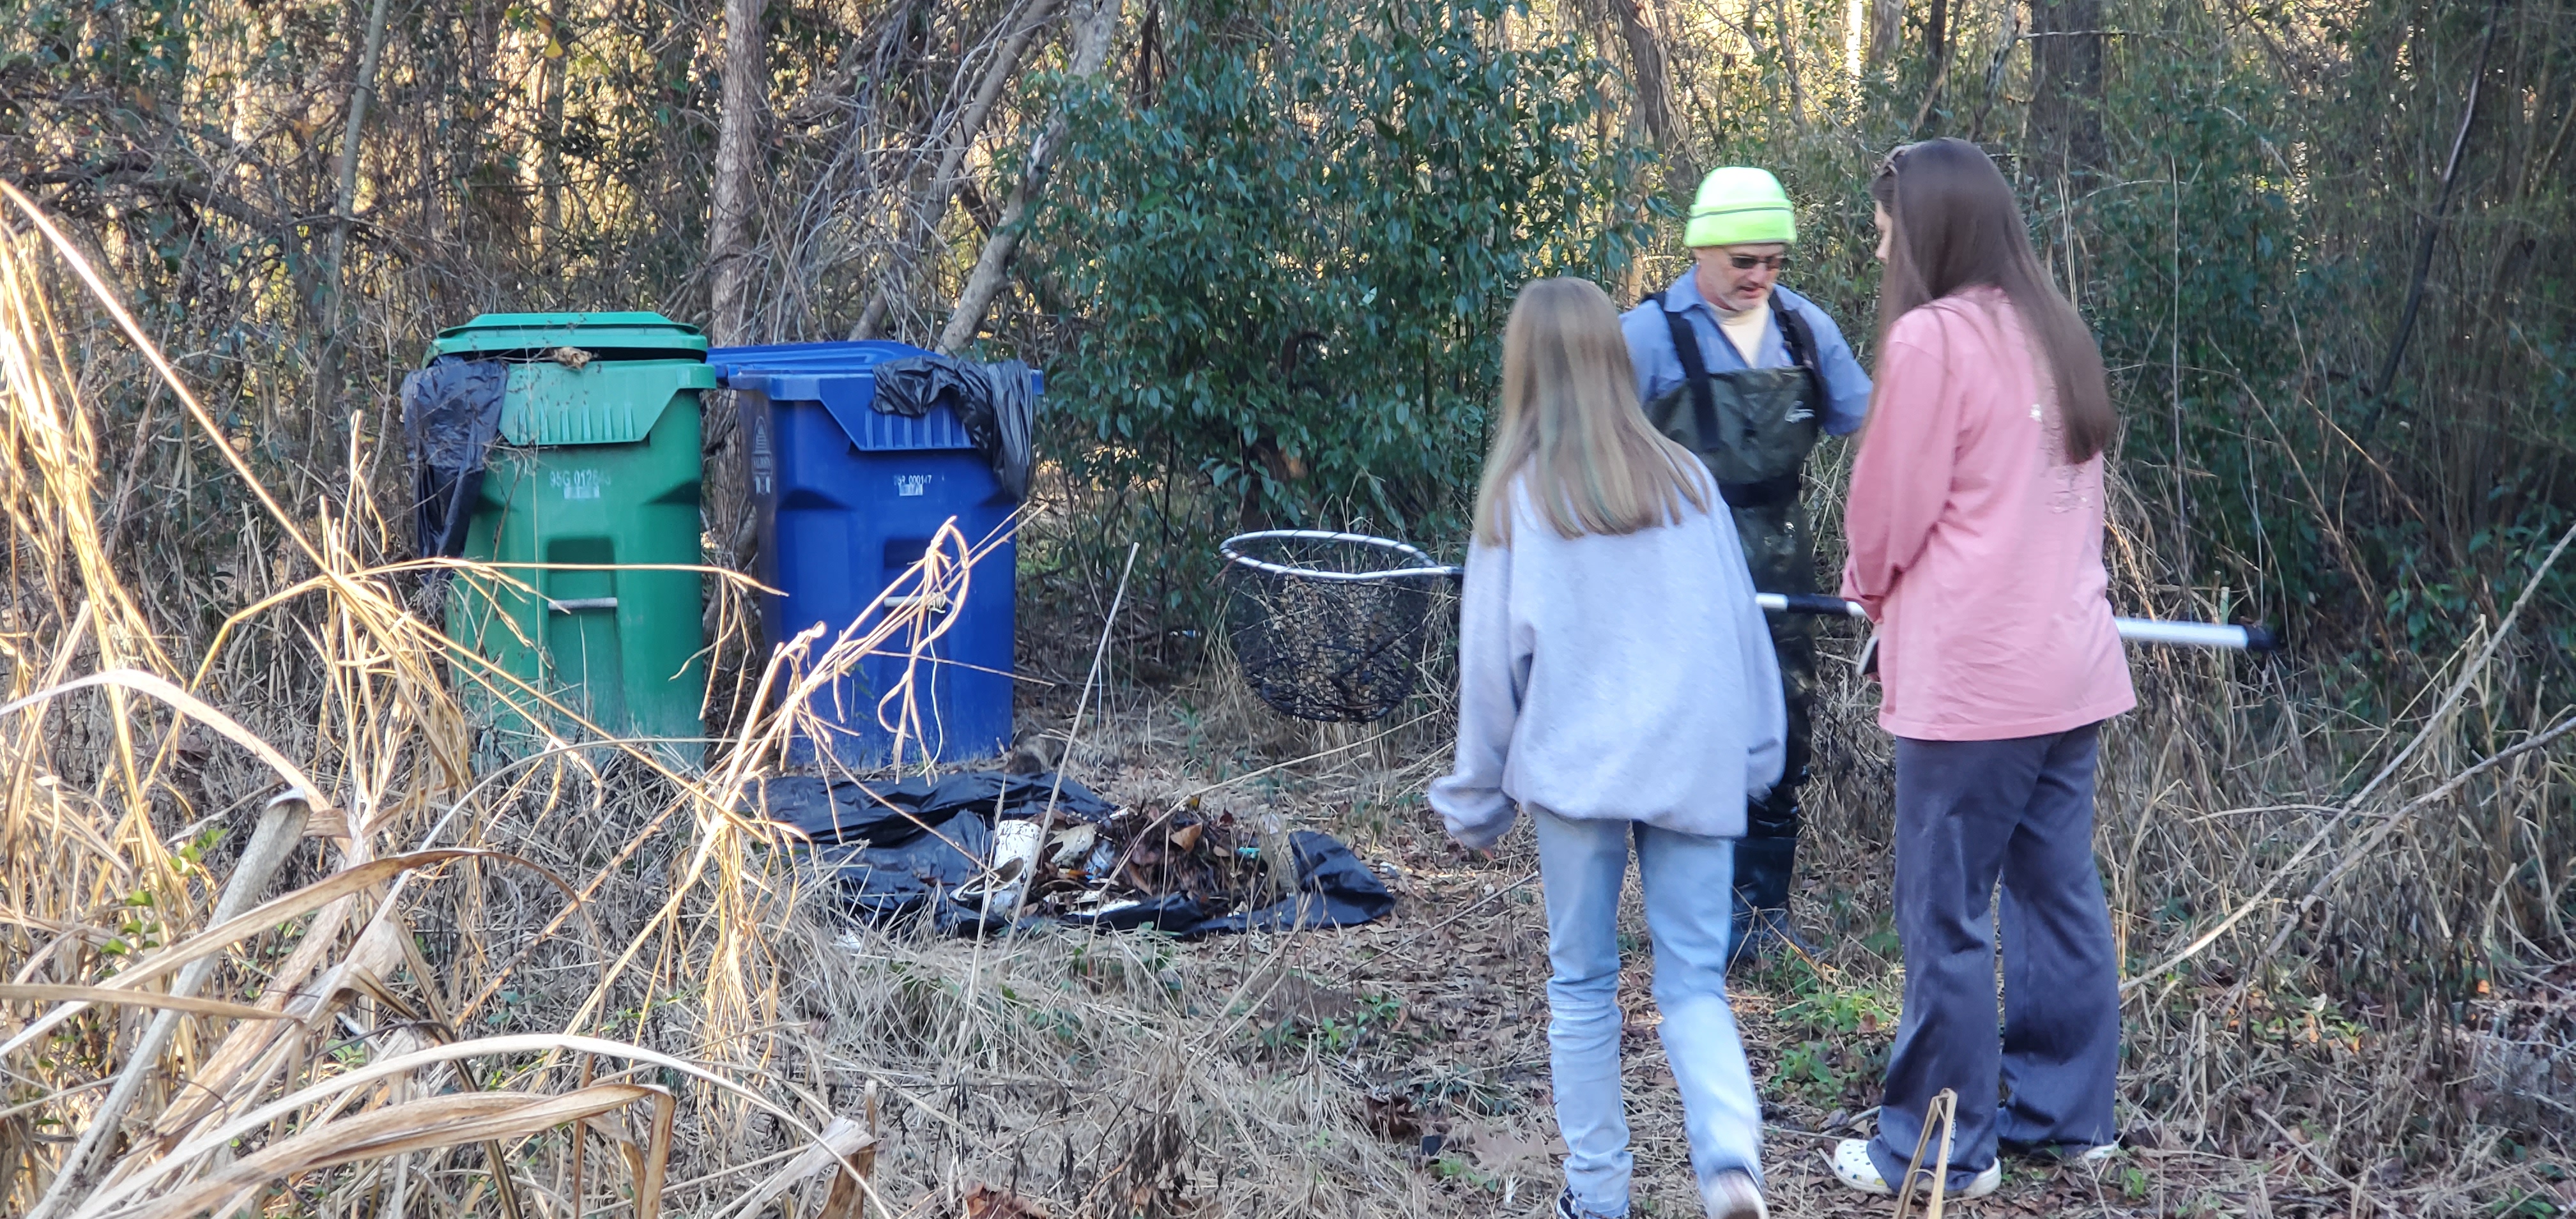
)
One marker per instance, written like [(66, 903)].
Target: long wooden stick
[(281, 825)]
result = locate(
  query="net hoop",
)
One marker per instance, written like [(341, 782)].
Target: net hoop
[(1419, 565), (1330, 626)]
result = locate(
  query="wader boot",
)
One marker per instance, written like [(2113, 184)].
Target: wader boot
[(1754, 427)]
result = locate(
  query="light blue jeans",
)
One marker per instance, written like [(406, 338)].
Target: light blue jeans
[(1688, 883)]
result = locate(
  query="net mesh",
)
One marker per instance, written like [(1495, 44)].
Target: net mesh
[(1336, 651)]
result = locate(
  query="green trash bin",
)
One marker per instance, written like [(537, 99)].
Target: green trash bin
[(594, 476)]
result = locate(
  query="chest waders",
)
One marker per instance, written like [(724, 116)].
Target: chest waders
[(1754, 428)]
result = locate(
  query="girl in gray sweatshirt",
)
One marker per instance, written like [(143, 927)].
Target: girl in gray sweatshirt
[(1616, 682)]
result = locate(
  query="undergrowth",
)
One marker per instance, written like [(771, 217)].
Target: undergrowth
[(581, 983)]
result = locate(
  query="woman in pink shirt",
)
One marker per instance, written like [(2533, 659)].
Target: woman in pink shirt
[(1975, 522)]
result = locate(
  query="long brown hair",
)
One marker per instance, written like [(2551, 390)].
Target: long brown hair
[(1571, 423), (1955, 225)]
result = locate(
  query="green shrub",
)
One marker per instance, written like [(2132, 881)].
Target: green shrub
[(1293, 256)]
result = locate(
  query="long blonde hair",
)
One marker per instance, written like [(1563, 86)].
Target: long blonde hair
[(1572, 425)]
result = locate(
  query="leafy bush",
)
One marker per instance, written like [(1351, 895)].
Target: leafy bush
[(1292, 257)]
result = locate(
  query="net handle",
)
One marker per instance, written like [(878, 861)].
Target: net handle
[(1424, 567)]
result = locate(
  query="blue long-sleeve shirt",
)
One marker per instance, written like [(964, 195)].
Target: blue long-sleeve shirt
[(1659, 367)]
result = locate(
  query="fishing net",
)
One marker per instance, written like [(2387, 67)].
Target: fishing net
[(1330, 626)]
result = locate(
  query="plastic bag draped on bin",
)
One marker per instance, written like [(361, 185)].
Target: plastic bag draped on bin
[(849, 497), (591, 485)]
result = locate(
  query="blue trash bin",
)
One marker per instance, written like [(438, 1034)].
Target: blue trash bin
[(846, 499)]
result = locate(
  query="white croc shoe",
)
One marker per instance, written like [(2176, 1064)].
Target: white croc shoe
[(1853, 1167)]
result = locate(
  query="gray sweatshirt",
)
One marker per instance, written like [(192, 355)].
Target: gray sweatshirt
[(1620, 678)]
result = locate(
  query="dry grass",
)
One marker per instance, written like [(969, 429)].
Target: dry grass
[(252, 866)]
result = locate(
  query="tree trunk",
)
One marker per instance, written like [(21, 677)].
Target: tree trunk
[(550, 89), (2066, 88), (1651, 72), (737, 141), (1091, 46), (1886, 33), (1789, 59), (344, 202)]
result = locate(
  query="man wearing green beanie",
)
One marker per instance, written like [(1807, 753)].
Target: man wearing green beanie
[(1745, 373)]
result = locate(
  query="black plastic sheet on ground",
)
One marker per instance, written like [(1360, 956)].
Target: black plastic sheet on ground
[(890, 814), (902, 851)]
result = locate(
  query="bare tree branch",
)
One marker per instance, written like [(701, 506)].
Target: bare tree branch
[(2433, 223), (943, 186), (1091, 47)]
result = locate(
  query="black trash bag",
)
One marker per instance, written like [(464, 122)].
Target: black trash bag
[(1334, 889), (918, 879), (992, 400), (451, 413), (1177, 913), (887, 815)]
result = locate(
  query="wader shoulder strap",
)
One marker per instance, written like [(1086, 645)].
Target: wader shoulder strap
[(1801, 343), (1694, 373)]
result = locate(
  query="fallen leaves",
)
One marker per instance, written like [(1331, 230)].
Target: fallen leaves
[(986, 1202), (1503, 1151)]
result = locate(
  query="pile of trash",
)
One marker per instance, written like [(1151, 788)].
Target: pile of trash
[(981, 850)]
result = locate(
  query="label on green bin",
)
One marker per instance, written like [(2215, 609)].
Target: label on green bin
[(577, 484)]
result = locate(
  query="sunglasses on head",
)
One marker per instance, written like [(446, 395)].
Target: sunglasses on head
[(1746, 262)]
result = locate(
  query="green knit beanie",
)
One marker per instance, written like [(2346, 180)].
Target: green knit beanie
[(1740, 205)]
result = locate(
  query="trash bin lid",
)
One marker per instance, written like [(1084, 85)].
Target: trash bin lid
[(857, 355), (842, 378), (609, 335)]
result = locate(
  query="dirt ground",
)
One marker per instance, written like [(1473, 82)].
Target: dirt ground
[(1422, 1038)]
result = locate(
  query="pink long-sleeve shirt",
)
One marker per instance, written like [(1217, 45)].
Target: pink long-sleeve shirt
[(1976, 548)]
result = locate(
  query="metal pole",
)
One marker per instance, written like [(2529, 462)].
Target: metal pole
[(2134, 630)]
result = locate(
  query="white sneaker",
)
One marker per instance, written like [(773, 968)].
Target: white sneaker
[(1734, 1195), (1854, 1168)]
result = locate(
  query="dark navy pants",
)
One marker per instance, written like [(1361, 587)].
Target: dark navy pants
[(1970, 813)]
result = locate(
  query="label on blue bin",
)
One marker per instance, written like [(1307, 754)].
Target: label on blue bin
[(911, 484), (577, 484)]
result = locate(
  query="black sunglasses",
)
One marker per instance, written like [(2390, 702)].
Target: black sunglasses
[(1746, 262)]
